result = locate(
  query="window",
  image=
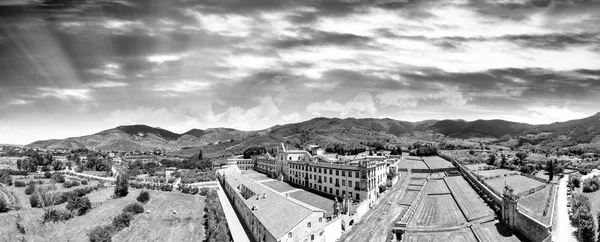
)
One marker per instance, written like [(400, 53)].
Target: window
[(337, 192), (343, 173), (289, 234), (308, 225), (312, 237), (358, 196), (329, 171), (337, 172), (357, 174), (320, 220), (350, 183), (330, 180), (319, 170), (330, 190), (349, 174), (343, 182)]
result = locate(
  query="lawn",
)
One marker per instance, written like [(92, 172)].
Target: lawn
[(437, 211), (95, 173), (418, 182), (436, 162), (408, 197), (412, 164), (279, 186), (534, 204), (436, 187), (314, 200), (468, 200), (414, 188), (519, 183), (437, 175), (160, 225), (544, 175), (494, 173), (594, 200), (494, 231), (255, 175), (419, 175), (462, 235)]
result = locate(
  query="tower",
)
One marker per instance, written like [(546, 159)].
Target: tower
[(509, 207)]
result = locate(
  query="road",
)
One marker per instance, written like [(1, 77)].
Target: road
[(377, 223), (563, 230)]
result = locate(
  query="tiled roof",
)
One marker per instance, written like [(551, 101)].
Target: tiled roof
[(276, 213)]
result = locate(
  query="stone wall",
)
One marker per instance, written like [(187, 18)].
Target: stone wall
[(531, 228)]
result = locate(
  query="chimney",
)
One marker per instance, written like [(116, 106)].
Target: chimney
[(265, 195)]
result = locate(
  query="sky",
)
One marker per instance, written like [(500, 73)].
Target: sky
[(78, 68)]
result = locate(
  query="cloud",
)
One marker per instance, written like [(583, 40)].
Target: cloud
[(107, 84), (65, 93), (159, 59), (264, 115), (291, 118), (182, 86), (141, 115), (19, 102), (360, 105), (451, 97)]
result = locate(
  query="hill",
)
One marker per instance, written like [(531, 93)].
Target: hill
[(349, 132)]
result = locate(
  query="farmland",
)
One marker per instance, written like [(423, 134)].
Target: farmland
[(519, 183), (436, 187), (495, 173), (462, 235), (471, 204), (493, 231), (436, 162), (437, 211), (408, 197), (412, 162)]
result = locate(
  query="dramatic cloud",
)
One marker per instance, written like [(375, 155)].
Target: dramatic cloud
[(362, 104)]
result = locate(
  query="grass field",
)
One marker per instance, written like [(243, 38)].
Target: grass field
[(417, 182), (419, 175), (493, 173), (437, 211), (160, 225), (519, 183), (414, 188), (412, 164), (462, 235), (475, 167), (436, 162), (535, 203), (494, 231), (279, 186), (408, 197), (437, 175), (545, 176), (594, 200), (95, 173), (255, 175), (468, 200), (436, 187), (314, 200)]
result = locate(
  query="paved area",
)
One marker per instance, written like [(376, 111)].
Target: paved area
[(235, 226), (563, 231), (377, 223)]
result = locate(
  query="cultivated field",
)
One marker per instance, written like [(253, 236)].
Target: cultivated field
[(469, 201), (436, 162), (416, 176), (417, 182), (414, 188), (412, 163), (408, 197), (494, 173), (519, 183), (493, 231), (436, 187), (534, 204), (437, 211), (462, 235), (437, 175)]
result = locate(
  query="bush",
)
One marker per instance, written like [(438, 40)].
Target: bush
[(69, 184), (122, 221), (47, 175), (81, 204), (101, 233), (58, 177), (20, 228), (591, 184), (20, 184), (3, 205), (84, 182), (5, 177), (30, 189), (53, 215), (134, 208), (121, 186), (204, 191), (143, 197)]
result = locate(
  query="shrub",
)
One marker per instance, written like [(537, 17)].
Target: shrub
[(101, 233), (47, 174), (84, 182), (3, 205), (203, 191), (81, 204), (134, 208), (121, 186), (20, 184), (53, 215), (122, 221), (58, 177), (5, 177), (591, 184), (30, 189), (69, 184), (143, 197), (20, 228)]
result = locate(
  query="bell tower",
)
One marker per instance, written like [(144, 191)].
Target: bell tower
[(509, 207)]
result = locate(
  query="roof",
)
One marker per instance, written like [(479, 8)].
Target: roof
[(276, 213)]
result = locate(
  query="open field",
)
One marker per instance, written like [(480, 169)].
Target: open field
[(408, 197), (314, 200), (161, 224), (95, 173), (518, 182), (436, 187), (436, 162), (279, 186), (437, 175), (462, 235), (494, 231), (437, 211), (534, 204), (469, 201), (545, 176), (416, 176), (417, 182), (409, 163), (493, 173), (255, 175), (414, 187), (594, 200)]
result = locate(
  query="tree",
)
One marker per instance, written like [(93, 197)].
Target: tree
[(81, 204), (58, 177), (200, 155), (491, 159), (550, 170), (143, 197), (121, 186), (5, 177), (587, 228), (100, 233), (122, 221), (522, 156), (3, 205)]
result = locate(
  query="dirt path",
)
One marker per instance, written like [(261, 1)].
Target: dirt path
[(563, 229), (377, 223)]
